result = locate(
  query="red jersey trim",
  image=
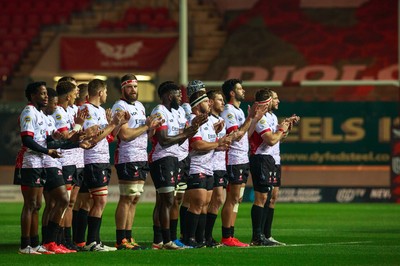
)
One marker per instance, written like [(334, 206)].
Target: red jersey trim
[(264, 131), (229, 130), (27, 133), (62, 129), (162, 128), (194, 139)]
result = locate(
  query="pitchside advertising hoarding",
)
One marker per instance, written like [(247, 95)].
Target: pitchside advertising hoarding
[(339, 133)]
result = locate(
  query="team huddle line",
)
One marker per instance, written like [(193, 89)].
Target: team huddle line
[(202, 153)]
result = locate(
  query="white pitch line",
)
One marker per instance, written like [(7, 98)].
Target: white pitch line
[(317, 244)]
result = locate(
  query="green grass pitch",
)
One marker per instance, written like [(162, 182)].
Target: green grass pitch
[(316, 234)]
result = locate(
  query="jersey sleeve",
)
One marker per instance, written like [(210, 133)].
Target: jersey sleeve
[(90, 118), (262, 126), (27, 121), (198, 135), (60, 121), (117, 107), (231, 123), (161, 114)]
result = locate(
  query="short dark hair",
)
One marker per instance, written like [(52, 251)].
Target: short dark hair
[(128, 77), (65, 87), (52, 93), (96, 85), (212, 93), (228, 86), (263, 94), (66, 78), (33, 88), (167, 86)]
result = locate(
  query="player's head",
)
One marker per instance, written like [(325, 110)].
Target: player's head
[(170, 93), (195, 86), (66, 92), (97, 88), (36, 93), (217, 102), (53, 101), (67, 78), (232, 89), (264, 96), (275, 100), (129, 87), (83, 93), (199, 101)]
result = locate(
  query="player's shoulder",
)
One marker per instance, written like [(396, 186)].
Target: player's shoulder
[(139, 104), (159, 108), (119, 105)]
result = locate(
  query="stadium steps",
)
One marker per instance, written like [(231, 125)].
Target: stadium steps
[(206, 37)]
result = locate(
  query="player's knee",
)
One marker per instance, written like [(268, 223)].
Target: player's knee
[(37, 206), (99, 196), (129, 190), (273, 200), (180, 190)]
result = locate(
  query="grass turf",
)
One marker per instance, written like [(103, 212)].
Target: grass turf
[(316, 234)]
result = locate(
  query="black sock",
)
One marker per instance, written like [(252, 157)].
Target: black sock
[(256, 218), (191, 221), (60, 235), (268, 222), (98, 240), (52, 232), (34, 241), (210, 221), (67, 235), (93, 225), (128, 235), (25, 241), (120, 234), (44, 233), (166, 235), (182, 217), (173, 227), (74, 224), (226, 232), (232, 231), (201, 226), (82, 223), (157, 236)]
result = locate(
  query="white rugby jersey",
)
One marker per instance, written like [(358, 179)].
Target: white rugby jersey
[(32, 123), (183, 121), (219, 157), (234, 119), (136, 149), (268, 123), (64, 121), (201, 162), (79, 152), (172, 125), (276, 148), (97, 116), (50, 162)]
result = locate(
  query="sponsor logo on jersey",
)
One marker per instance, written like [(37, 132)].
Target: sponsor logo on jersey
[(58, 117), (27, 119)]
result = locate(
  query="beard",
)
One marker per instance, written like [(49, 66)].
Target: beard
[(175, 104), (239, 98), (131, 98)]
